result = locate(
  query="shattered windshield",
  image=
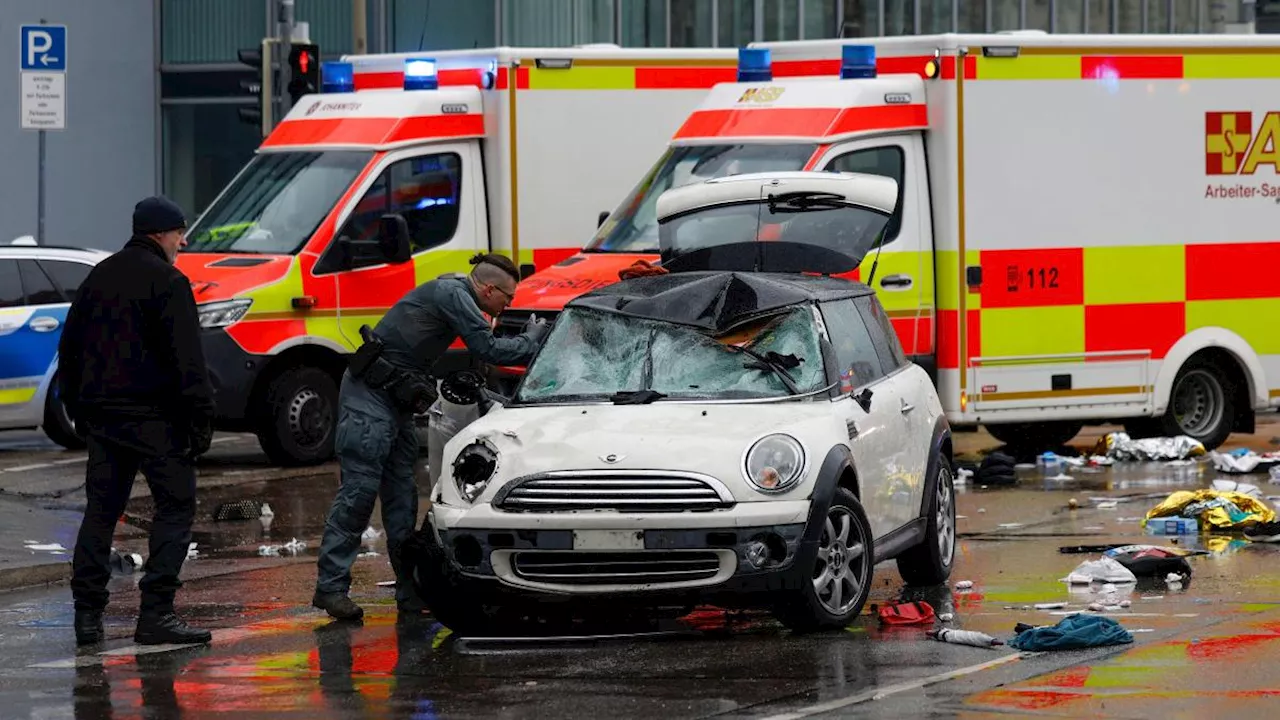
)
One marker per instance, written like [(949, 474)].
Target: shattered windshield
[(633, 227), (276, 203), (594, 356)]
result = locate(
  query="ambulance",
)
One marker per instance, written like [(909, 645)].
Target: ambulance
[(402, 168), (1086, 228)]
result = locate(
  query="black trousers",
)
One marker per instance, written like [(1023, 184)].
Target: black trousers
[(116, 454)]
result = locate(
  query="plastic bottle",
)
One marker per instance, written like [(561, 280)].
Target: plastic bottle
[(965, 637)]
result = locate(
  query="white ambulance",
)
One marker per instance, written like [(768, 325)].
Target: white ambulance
[(1086, 225), (506, 150)]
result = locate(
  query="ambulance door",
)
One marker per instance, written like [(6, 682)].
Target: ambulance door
[(904, 276), (438, 189)]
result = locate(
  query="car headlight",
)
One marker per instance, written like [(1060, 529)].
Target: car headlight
[(774, 463), (223, 312), (474, 468)]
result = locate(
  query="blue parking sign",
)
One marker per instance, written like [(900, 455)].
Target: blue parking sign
[(44, 47)]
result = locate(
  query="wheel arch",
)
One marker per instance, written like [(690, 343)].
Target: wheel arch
[(320, 355), (1213, 340), (940, 446)]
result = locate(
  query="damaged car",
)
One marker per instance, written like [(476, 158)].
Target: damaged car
[(743, 430)]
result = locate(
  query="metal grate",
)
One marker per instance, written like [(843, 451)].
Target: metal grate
[(630, 491), (614, 568)]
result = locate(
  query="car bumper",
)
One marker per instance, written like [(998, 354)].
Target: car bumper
[(693, 557), (232, 372)]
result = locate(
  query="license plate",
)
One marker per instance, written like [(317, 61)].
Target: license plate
[(608, 539)]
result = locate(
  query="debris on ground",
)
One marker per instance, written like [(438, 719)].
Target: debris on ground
[(1119, 446), (1244, 460), (1087, 461), (36, 546), (997, 469), (1152, 560), (1263, 532), (964, 584), (1102, 570), (192, 553), (238, 510), (911, 613), (125, 563), (370, 533), (1073, 632), (1214, 509), (964, 637), (1222, 485), (292, 547)]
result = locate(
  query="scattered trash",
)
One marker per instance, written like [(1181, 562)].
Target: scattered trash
[(1170, 526), (367, 554), (981, 510), (55, 548), (1152, 560), (370, 534), (912, 613), (1072, 633), (238, 510), (1009, 526), (1104, 570), (964, 584), (292, 547), (1173, 580), (1244, 460), (1152, 597), (1222, 485), (946, 617), (1073, 503), (1093, 528), (125, 563), (1049, 464), (1263, 532), (1050, 606), (1060, 477), (964, 637), (1214, 509), (1107, 505), (192, 553), (1274, 473), (1085, 461), (997, 469), (267, 512), (386, 583), (1119, 446), (963, 476)]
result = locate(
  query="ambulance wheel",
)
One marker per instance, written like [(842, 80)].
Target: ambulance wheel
[(1035, 436), (300, 417), (838, 584), (57, 422), (1201, 404)]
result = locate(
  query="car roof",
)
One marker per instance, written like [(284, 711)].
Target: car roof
[(713, 300), (53, 252)]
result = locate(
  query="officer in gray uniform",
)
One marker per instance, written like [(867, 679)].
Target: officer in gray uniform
[(387, 383)]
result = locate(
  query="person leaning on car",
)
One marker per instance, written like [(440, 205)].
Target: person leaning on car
[(387, 383), (133, 374)]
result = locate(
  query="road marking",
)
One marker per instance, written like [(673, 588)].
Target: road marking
[(881, 693), (24, 468), (69, 461)]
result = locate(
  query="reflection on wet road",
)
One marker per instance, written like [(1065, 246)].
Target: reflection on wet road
[(1208, 648)]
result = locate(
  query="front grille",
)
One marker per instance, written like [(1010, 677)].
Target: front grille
[(616, 568), (511, 322), (635, 491)]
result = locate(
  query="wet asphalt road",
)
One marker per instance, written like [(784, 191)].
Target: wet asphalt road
[(1209, 648)]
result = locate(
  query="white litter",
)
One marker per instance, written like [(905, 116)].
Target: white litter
[(1233, 486), (1009, 526), (370, 534), (1108, 505), (964, 475), (1060, 477), (292, 547), (192, 553), (369, 553), (267, 512), (1103, 570), (964, 584), (45, 547), (982, 510), (1050, 606)]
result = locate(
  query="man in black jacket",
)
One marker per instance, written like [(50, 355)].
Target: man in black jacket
[(133, 373)]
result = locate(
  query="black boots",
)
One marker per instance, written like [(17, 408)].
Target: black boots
[(166, 628), (338, 605), (89, 627)]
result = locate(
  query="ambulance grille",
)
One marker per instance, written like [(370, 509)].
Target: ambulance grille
[(624, 491)]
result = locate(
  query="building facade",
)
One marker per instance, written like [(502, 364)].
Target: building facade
[(155, 85)]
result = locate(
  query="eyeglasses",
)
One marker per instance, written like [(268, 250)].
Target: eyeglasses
[(509, 295)]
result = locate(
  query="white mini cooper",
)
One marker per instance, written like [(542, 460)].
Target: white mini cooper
[(715, 434)]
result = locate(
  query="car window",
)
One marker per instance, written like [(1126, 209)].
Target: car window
[(856, 355), (426, 190), (887, 161), (39, 288), (10, 285), (883, 336), (67, 275)]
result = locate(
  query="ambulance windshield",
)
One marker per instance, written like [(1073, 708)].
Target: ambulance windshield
[(633, 227), (276, 203)]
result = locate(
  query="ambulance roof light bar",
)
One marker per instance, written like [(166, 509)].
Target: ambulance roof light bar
[(337, 77), (857, 61), (420, 74), (754, 65)]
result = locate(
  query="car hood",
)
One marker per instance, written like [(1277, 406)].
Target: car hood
[(704, 438), (218, 276), (551, 288)]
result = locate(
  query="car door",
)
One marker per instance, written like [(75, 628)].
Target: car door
[(32, 311), (876, 432)]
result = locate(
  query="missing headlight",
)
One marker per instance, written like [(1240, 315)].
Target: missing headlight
[(473, 468)]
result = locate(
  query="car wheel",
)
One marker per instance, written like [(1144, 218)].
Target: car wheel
[(1201, 404), (57, 422), (1037, 437), (930, 562), (839, 581), (300, 417)]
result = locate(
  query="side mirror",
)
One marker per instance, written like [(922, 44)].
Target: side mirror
[(864, 399), (604, 215), (393, 237), (526, 270)]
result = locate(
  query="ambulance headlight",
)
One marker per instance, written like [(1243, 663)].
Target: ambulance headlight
[(474, 468), (222, 313), (420, 74), (337, 77), (774, 463)]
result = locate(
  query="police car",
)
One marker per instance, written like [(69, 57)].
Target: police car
[(37, 285)]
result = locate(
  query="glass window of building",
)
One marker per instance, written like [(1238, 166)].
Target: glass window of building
[(204, 146), (434, 25), (935, 16), (1069, 16), (1128, 16), (737, 21), (899, 17), (819, 19), (692, 24), (861, 18), (1099, 20), (644, 23), (1006, 15), (1184, 16), (1037, 15), (556, 23), (1158, 16), (781, 20)]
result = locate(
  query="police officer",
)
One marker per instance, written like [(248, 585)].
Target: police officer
[(387, 383), (133, 373)]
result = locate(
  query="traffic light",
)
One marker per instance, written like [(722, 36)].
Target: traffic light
[(262, 88), (304, 70)]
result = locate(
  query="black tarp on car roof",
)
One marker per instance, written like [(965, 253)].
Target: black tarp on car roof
[(715, 301)]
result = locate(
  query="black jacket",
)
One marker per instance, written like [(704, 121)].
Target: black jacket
[(130, 349)]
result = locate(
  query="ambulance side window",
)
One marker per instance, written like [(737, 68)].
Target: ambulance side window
[(887, 161), (855, 350), (426, 190)]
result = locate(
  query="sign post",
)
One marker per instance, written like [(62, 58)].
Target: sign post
[(43, 66)]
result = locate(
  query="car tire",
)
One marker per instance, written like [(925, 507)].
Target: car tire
[(846, 536), (1201, 404), (299, 417), (57, 423), (1036, 437), (930, 562)]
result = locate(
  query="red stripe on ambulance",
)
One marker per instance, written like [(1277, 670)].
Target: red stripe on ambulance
[(1233, 272), (1156, 326), (374, 131), (1131, 67), (1032, 278), (800, 122), (683, 78)]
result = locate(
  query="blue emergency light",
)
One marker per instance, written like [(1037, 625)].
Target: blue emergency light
[(420, 74), (337, 77), (754, 65), (858, 61)]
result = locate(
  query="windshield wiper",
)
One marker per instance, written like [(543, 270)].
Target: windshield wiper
[(775, 363), (802, 200), (635, 397)]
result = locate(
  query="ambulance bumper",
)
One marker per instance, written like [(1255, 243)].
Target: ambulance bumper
[(232, 372)]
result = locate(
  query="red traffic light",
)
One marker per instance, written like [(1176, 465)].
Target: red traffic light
[(304, 59)]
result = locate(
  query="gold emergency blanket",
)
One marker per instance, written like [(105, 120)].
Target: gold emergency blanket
[(1214, 509)]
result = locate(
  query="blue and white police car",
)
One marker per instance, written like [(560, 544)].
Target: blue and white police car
[(37, 285)]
